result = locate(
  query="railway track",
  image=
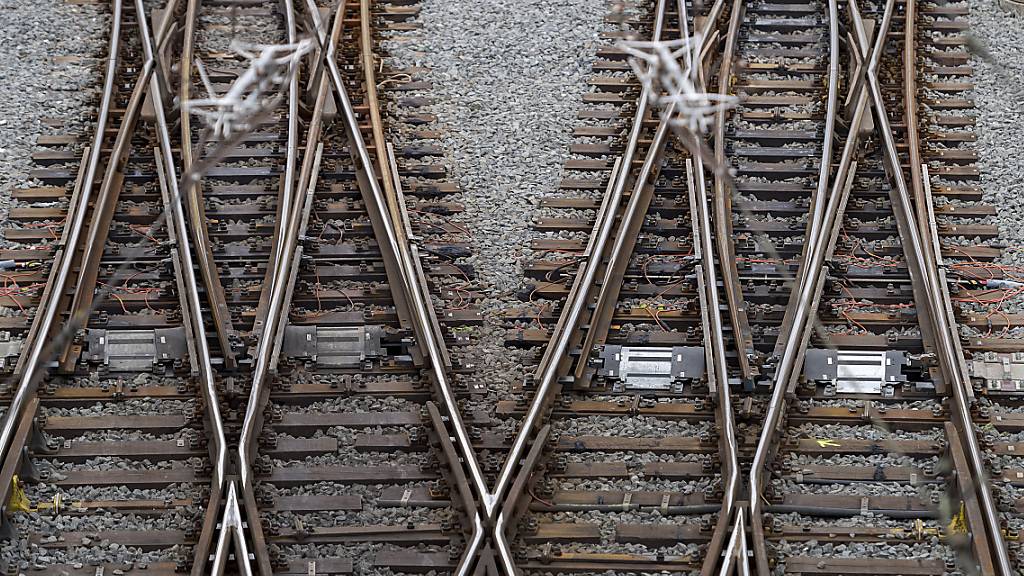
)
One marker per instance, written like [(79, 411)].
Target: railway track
[(258, 383), (836, 481), (787, 347)]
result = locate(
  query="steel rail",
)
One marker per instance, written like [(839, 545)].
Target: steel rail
[(378, 205), (910, 112), (189, 293), (718, 370), (984, 554), (10, 463), (220, 315), (105, 202), (567, 328), (944, 332), (555, 354), (633, 215), (803, 309), (399, 265), (30, 368), (259, 392), (376, 122), (287, 215), (723, 208), (310, 162), (616, 189), (718, 375), (819, 199), (192, 300), (409, 289)]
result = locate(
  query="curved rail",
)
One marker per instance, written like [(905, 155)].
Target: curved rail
[(636, 207), (411, 288), (286, 213), (407, 288), (819, 200), (723, 209), (198, 231), (106, 201), (146, 83), (804, 299), (802, 309), (192, 308), (559, 346), (29, 371), (422, 318), (612, 257), (718, 375), (552, 364), (277, 273), (926, 276)]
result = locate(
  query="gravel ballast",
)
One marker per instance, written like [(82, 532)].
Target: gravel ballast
[(42, 83), (999, 97), (507, 80)]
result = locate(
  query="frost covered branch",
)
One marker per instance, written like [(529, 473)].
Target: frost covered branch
[(257, 90), (668, 70)]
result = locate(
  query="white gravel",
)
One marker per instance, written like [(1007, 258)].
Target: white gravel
[(999, 96), (508, 79), (38, 84)]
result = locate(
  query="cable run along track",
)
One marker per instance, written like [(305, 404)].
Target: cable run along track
[(757, 370)]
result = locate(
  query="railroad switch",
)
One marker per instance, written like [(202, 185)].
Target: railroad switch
[(650, 367), (135, 350), (856, 371), (335, 347)]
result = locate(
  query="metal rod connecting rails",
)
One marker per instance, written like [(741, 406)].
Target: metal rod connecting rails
[(946, 350)]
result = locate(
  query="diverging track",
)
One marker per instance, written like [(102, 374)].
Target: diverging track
[(247, 374), (770, 322)]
